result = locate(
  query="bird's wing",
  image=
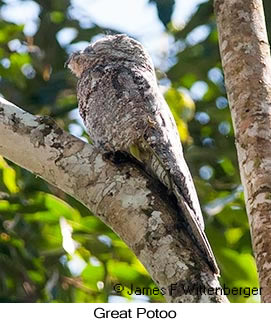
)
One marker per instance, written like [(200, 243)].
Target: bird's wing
[(160, 152)]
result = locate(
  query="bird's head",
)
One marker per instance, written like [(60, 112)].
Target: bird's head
[(117, 49)]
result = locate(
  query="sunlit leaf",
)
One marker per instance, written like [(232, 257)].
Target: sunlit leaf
[(122, 271), (9, 176), (91, 275)]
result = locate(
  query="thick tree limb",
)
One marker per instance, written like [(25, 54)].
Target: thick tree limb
[(122, 196), (246, 63)]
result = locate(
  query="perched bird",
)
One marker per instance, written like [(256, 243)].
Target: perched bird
[(124, 111)]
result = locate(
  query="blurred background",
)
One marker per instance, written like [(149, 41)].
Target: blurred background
[(52, 249)]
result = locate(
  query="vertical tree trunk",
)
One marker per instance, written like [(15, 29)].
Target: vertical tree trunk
[(246, 63)]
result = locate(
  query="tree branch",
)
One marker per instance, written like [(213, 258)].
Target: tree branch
[(246, 63), (122, 196)]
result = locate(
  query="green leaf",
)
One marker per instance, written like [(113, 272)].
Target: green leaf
[(165, 9), (122, 271), (9, 31), (57, 17), (9, 176), (91, 275), (35, 276)]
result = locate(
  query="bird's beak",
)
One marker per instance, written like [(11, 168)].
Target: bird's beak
[(72, 56), (66, 64)]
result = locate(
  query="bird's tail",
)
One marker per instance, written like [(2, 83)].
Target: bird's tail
[(171, 169), (195, 231)]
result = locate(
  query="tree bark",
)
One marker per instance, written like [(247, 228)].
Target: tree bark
[(122, 196), (246, 63)]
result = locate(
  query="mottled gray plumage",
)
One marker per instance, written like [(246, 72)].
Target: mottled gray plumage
[(123, 110)]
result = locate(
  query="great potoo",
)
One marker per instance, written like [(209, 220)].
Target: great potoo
[(124, 111)]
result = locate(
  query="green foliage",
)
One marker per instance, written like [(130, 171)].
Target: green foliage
[(51, 248), (164, 9)]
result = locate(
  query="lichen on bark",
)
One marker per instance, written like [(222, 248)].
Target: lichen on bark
[(122, 196), (246, 63)]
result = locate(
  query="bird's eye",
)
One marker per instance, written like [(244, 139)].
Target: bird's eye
[(89, 50)]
